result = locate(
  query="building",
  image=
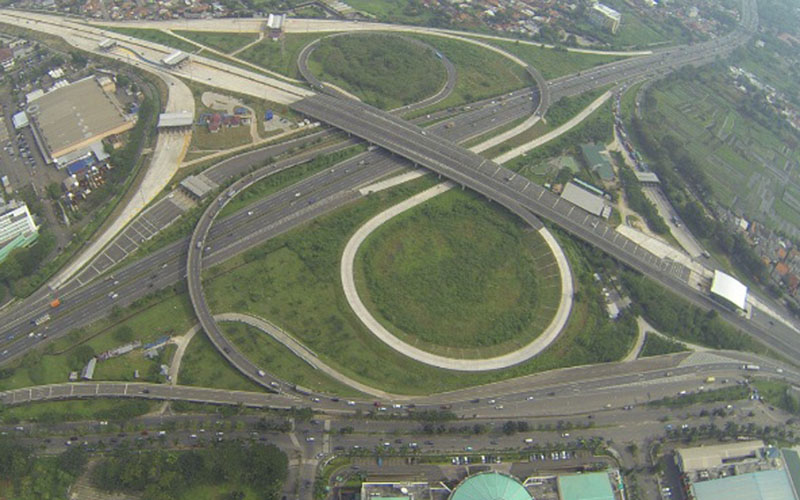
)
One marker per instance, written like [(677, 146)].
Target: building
[(691, 460), (198, 186), (586, 200), (728, 291), (20, 120), (6, 58), (597, 162), (646, 178), (175, 59), (588, 486), (742, 470), (605, 16), (17, 227), (74, 117), (490, 486), (761, 485)]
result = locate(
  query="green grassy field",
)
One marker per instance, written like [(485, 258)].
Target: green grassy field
[(273, 357), (293, 282), (169, 315), (279, 56), (226, 138), (156, 36), (655, 345), (396, 12), (74, 410), (551, 63), (204, 366), (459, 277), (480, 73), (384, 70), (223, 42)]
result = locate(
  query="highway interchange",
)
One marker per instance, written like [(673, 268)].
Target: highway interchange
[(327, 190)]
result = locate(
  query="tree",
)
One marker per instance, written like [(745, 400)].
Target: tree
[(123, 334), (73, 460)]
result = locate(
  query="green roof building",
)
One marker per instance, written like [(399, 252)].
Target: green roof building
[(490, 486), (597, 162), (591, 486)]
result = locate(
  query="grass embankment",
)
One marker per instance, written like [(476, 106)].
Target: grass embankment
[(273, 357), (384, 70), (551, 62), (280, 56), (559, 113), (204, 366), (480, 73), (293, 281), (730, 393), (459, 277), (162, 314), (54, 412), (155, 36), (223, 42), (655, 345)]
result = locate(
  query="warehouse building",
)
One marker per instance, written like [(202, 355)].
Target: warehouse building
[(587, 200), (762, 485), (74, 117), (728, 291)]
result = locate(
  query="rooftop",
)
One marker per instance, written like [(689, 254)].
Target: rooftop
[(708, 457), (763, 485), (584, 199), (176, 119), (591, 486), (78, 113), (607, 11), (729, 288), (490, 486)]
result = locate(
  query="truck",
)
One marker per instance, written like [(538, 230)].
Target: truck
[(44, 318), (55, 303), (751, 368)]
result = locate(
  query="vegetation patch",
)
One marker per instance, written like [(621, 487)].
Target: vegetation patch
[(274, 358), (457, 271), (54, 412), (280, 57), (655, 345), (480, 73), (731, 393), (387, 71), (777, 393), (223, 42), (203, 366), (155, 36), (551, 62), (24, 476), (293, 281)]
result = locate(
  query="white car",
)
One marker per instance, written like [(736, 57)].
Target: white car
[(351, 403)]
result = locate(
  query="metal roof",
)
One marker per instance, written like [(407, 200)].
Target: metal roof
[(762, 485), (177, 119), (490, 486), (646, 177), (584, 199), (591, 486), (729, 288)]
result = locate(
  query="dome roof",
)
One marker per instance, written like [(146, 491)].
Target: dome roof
[(490, 486)]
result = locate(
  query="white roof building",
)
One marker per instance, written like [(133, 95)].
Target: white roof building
[(586, 200), (728, 288), (20, 120), (710, 457), (17, 227)]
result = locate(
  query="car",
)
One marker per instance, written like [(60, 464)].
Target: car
[(261, 373), (530, 398), (310, 439), (315, 399), (192, 436), (397, 406), (249, 212), (498, 407)]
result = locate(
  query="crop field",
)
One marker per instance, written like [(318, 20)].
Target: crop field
[(749, 167), (459, 277), (223, 42)]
